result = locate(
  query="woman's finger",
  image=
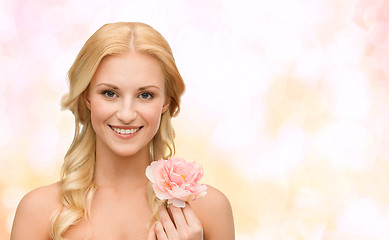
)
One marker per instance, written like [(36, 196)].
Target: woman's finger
[(151, 234), (178, 218), (191, 218), (167, 223), (160, 232)]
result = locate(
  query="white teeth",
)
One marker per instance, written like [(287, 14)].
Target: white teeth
[(125, 131)]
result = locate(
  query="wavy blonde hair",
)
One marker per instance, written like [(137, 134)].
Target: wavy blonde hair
[(76, 187)]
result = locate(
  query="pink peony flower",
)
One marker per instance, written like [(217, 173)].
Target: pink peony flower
[(176, 180)]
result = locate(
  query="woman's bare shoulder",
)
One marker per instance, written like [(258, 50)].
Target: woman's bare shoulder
[(215, 213), (40, 199), (32, 218)]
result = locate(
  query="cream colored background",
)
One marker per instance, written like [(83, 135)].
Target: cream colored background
[(287, 105)]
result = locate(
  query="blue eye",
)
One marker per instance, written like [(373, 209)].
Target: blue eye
[(146, 96), (109, 94)]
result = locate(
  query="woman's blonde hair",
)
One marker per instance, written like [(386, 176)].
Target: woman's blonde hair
[(76, 187)]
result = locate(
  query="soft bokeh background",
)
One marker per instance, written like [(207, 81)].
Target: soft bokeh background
[(287, 105)]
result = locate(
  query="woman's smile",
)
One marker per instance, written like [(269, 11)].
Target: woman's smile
[(125, 132)]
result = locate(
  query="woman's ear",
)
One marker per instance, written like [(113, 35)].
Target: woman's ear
[(165, 107), (85, 96)]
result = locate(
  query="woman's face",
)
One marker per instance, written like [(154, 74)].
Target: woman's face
[(126, 98)]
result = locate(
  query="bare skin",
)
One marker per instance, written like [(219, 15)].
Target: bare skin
[(117, 220), (120, 209)]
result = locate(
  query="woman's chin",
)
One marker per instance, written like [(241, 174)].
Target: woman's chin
[(129, 153)]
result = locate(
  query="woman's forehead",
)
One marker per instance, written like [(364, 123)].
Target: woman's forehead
[(131, 67)]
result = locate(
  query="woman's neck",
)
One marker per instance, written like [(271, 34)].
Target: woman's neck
[(118, 172)]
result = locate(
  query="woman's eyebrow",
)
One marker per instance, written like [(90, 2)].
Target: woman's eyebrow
[(109, 85), (149, 86), (116, 88)]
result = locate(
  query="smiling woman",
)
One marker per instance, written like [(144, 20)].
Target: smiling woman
[(130, 105), (124, 90)]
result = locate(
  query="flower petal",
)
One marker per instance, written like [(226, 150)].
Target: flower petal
[(161, 194), (176, 203), (179, 193)]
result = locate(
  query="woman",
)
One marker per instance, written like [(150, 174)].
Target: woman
[(124, 89)]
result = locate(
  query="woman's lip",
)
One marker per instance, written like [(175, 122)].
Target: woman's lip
[(124, 127), (127, 135)]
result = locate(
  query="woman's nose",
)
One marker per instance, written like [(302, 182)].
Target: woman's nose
[(126, 112)]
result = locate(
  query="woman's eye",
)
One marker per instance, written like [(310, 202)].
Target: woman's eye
[(146, 95), (109, 94)]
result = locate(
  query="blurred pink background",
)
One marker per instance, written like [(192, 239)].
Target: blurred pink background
[(287, 105)]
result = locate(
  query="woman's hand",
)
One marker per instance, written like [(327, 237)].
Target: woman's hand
[(182, 224)]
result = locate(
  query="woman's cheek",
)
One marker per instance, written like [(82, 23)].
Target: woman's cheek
[(153, 114), (101, 110)]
